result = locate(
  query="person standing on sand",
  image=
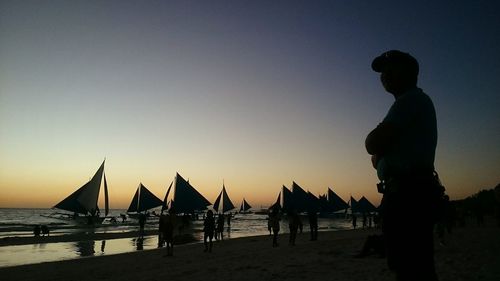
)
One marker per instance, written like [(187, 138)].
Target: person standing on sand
[(167, 229), (293, 223), (36, 230), (269, 223), (142, 222), (45, 230), (220, 226), (274, 222), (403, 147), (313, 224), (208, 231)]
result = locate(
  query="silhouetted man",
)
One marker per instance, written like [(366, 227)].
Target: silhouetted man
[(402, 149), (313, 224)]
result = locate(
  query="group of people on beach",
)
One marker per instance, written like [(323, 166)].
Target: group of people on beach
[(212, 228), (369, 220), (294, 223)]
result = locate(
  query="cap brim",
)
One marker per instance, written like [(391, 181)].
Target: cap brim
[(379, 63)]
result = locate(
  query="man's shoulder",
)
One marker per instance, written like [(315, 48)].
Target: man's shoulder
[(415, 98)]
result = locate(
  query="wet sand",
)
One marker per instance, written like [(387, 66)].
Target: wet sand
[(10, 241), (471, 253)]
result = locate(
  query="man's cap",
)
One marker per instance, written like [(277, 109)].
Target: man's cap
[(395, 58)]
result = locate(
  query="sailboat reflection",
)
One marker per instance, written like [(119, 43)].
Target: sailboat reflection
[(103, 245), (139, 242), (85, 248)]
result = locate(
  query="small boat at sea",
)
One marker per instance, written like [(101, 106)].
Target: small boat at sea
[(83, 202), (245, 207)]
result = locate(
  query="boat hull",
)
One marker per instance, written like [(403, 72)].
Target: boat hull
[(81, 220)]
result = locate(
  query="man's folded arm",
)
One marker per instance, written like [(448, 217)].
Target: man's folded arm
[(381, 138)]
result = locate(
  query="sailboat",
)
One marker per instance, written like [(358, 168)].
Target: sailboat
[(335, 202), (83, 202), (186, 199), (276, 205), (354, 205), (226, 204), (287, 199), (245, 207), (365, 206), (143, 201)]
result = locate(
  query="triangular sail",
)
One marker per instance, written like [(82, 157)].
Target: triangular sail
[(145, 200), (288, 202), (135, 202), (245, 205), (354, 205), (186, 198), (277, 204), (164, 206), (84, 200), (335, 202), (312, 202), (365, 206), (300, 198), (217, 202), (227, 205), (323, 204)]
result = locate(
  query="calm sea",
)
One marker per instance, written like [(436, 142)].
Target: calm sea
[(20, 222)]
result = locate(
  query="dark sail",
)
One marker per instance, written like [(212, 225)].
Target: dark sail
[(135, 202), (312, 202), (336, 203), (354, 205), (84, 200), (288, 203), (365, 206), (164, 206), (277, 204), (186, 198), (144, 200), (324, 206), (300, 198), (217, 202), (227, 205), (245, 205)]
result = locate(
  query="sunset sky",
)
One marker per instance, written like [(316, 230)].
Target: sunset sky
[(253, 93)]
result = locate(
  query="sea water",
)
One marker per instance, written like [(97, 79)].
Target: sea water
[(20, 223)]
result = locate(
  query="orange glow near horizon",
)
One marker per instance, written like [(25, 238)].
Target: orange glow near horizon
[(260, 191)]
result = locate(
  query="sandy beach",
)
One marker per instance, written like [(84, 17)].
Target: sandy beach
[(471, 253)]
